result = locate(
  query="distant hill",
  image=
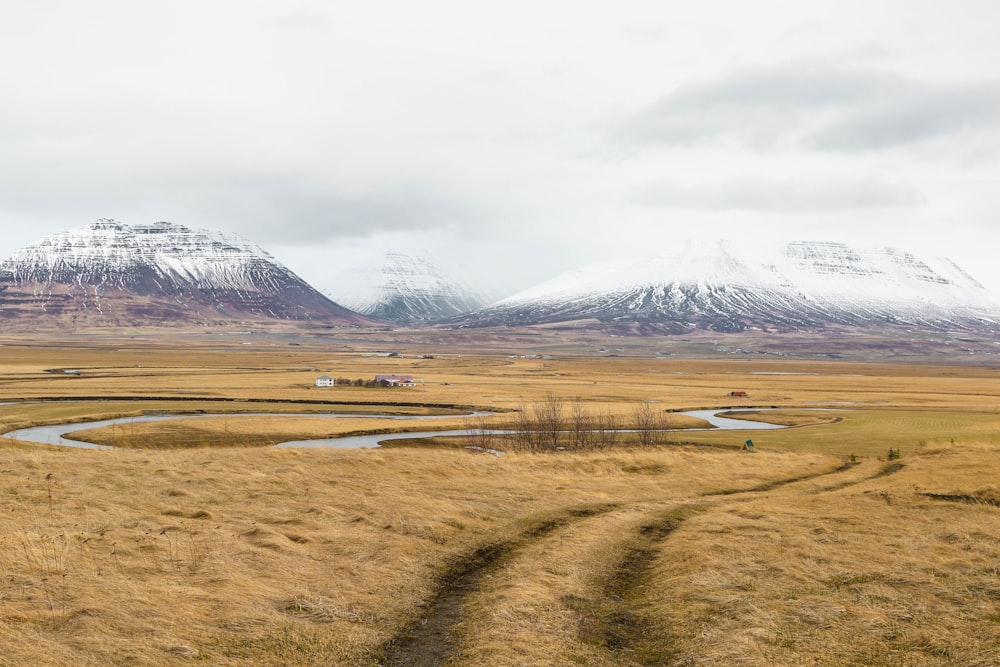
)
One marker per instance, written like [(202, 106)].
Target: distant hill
[(404, 289), (162, 274), (719, 286)]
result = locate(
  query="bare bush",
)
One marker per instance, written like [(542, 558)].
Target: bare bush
[(648, 424), (549, 418), (481, 433), (581, 425), (525, 429), (608, 428)]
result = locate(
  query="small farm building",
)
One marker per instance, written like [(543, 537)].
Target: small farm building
[(324, 381), (394, 380), (738, 394)]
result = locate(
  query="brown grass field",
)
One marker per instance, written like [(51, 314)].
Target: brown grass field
[(194, 542)]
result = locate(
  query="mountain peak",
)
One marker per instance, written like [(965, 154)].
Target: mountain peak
[(405, 289), (105, 223)]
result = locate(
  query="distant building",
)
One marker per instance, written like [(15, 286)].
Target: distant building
[(324, 381), (738, 394), (394, 380)]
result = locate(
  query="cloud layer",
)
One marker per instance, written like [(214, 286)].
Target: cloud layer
[(815, 105), (525, 138)]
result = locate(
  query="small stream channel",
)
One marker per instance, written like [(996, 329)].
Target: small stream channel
[(55, 434)]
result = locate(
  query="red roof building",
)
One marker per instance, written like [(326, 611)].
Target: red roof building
[(394, 380)]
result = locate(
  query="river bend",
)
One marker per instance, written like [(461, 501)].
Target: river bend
[(55, 434)]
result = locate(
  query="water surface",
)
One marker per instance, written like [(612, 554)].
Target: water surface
[(55, 434)]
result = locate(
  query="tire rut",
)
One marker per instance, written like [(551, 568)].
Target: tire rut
[(617, 621), (768, 486), (428, 641), (962, 498), (889, 469)]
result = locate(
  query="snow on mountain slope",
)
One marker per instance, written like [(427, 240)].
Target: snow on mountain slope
[(112, 273), (719, 286), (404, 289), (111, 252)]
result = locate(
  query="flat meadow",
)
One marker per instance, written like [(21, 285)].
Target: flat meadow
[(865, 533)]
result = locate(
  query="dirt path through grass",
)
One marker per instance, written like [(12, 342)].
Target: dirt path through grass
[(618, 620), (621, 621), (429, 640), (613, 619)]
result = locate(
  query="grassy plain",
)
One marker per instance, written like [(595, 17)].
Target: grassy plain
[(194, 549)]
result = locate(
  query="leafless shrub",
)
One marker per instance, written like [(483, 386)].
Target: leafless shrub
[(549, 417), (480, 433), (525, 429), (607, 429), (581, 425), (648, 424)]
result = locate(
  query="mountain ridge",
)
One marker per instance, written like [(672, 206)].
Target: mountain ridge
[(800, 285)]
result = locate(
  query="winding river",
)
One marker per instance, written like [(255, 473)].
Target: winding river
[(55, 434)]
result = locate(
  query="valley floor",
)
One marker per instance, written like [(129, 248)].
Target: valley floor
[(818, 548)]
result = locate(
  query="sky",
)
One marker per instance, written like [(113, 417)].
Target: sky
[(506, 142)]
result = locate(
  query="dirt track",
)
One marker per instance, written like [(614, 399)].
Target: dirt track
[(616, 619)]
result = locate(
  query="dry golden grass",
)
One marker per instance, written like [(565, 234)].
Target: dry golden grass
[(246, 431), (272, 556), (871, 574), (273, 370), (787, 417), (665, 555), (872, 432), (549, 605)]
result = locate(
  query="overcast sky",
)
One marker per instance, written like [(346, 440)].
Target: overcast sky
[(506, 140)]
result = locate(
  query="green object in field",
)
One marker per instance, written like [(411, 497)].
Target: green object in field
[(748, 445)]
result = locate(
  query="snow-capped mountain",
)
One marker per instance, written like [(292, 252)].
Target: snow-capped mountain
[(404, 289), (110, 273), (723, 287)]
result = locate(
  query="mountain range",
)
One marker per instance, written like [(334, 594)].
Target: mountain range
[(109, 274)]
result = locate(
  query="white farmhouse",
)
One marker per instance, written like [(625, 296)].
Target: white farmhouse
[(324, 381)]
